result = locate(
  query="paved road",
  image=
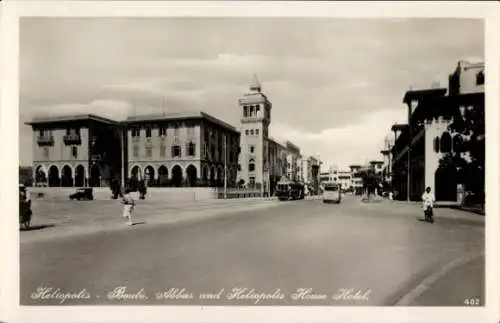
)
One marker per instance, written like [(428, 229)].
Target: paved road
[(264, 255)]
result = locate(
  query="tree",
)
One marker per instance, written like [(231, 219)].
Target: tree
[(370, 181), (468, 154)]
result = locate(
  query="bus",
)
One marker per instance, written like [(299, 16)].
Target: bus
[(332, 193), (289, 190)]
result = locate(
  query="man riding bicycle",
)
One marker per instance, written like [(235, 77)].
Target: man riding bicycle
[(428, 203)]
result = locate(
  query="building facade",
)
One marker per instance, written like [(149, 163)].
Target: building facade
[(83, 150), (431, 138), (174, 149), (182, 149), (293, 161)]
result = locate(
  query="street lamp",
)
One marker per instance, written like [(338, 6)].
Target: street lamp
[(225, 167), (122, 139)]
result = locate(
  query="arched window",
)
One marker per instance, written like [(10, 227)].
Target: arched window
[(251, 165), (446, 142), (436, 144), (251, 132)]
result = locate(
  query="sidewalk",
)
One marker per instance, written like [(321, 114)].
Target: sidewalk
[(414, 208), (93, 218)]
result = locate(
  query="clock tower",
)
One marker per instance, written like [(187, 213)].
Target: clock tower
[(255, 120)]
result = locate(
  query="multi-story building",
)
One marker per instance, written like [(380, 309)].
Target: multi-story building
[(182, 149), (82, 150), (309, 172), (277, 162), (344, 178), (293, 161), (175, 149), (431, 113), (356, 179), (387, 162)]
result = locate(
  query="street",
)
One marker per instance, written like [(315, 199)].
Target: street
[(254, 252)]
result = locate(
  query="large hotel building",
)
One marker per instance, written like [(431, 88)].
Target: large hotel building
[(174, 149)]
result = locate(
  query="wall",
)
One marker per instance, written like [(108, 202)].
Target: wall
[(432, 130), (156, 141), (467, 78), (103, 193)]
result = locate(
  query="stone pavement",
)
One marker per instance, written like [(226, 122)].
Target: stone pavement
[(57, 219)]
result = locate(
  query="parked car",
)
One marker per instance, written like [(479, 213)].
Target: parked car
[(82, 194)]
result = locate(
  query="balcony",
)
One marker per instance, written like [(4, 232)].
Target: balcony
[(72, 139), (95, 158), (45, 140)]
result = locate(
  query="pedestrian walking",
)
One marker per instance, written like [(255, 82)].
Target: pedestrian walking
[(128, 206)]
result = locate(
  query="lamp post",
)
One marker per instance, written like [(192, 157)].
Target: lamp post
[(225, 167), (409, 153), (123, 157)]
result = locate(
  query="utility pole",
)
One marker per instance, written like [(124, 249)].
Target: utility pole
[(123, 128), (409, 153), (225, 167)]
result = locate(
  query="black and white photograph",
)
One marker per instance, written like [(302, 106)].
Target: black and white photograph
[(252, 161)]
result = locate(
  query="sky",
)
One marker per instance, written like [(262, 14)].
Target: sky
[(336, 85)]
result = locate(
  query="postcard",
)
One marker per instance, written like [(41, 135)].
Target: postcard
[(250, 161)]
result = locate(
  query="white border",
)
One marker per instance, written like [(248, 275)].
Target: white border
[(9, 270)]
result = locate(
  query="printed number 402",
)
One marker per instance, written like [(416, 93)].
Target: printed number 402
[(472, 302)]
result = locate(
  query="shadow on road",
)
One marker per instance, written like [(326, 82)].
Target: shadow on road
[(139, 223), (38, 227)]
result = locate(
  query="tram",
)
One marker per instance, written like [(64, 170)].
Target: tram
[(289, 190)]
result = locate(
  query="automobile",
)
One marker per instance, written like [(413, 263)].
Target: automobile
[(332, 193), (82, 194)]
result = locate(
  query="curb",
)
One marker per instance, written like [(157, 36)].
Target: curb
[(410, 298)]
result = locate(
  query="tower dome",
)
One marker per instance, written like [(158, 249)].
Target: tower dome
[(255, 84)]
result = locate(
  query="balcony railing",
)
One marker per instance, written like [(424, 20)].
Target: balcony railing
[(45, 140), (72, 139)]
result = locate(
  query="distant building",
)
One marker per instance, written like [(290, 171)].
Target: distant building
[(356, 179), (293, 161)]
